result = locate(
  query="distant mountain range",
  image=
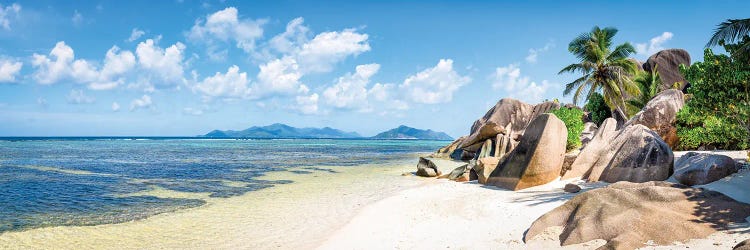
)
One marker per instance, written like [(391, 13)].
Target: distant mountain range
[(279, 130), (404, 132)]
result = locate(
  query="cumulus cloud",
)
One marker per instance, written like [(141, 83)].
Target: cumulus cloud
[(135, 34), (115, 107), (60, 64), (7, 13), (534, 53), (307, 104), (141, 103), (350, 90), (9, 69), (225, 25), (296, 33), (654, 45), (164, 67), (301, 55), (329, 48), (516, 86), (278, 76), (233, 84), (434, 85), (78, 97)]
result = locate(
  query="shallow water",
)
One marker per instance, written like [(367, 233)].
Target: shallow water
[(73, 181)]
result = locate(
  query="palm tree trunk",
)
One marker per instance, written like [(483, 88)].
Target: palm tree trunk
[(619, 116)]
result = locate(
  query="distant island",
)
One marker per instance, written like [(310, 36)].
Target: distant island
[(404, 132), (279, 131)]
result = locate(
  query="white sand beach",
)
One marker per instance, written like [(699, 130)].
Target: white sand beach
[(364, 207)]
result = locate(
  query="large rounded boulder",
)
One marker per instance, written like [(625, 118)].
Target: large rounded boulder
[(509, 116), (698, 169), (634, 153), (660, 115), (537, 159), (591, 153), (668, 61), (628, 215)]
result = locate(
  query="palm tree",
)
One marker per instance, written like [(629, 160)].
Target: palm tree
[(603, 69), (648, 83), (731, 31)]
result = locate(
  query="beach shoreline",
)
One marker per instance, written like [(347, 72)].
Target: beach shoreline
[(357, 207)]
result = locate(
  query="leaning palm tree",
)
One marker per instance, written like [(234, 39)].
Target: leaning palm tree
[(603, 69), (731, 31), (648, 83)]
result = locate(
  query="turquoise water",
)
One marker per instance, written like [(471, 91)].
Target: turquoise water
[(84, 181)]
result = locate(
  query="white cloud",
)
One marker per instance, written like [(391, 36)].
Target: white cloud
[(115, 107), (278, 76), (9, 69), (166, 65), (294, 35), (329, 48), (307, 105), (61, 64), (516, 86), (434, 85), (225, 25), (77, 18), (233, 84), (56, 66), (534, 53), (654, 45), (135, 34), (350, 90), (7, 13), (141, 103), (380, 91), (78, 97)]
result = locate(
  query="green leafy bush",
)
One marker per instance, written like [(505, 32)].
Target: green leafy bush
[(597, 108), (717, 113), (572, 117)]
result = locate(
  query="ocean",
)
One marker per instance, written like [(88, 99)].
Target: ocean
[(75, 181)]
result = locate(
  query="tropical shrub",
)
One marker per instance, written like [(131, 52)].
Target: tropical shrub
[(717, 113), (597, 108), (572, 117)]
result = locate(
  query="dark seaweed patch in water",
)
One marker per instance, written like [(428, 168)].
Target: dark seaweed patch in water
[(33, 198), (88, 182), (323, 169), (300, 171)]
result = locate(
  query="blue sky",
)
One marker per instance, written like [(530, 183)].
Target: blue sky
[(184, 68)]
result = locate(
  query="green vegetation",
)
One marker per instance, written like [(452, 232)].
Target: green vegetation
[(597, 108), (732, 31), (717, 115), (603, 69), (648, 83), (572, 117)]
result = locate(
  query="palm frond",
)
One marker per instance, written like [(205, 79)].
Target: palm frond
[(730, 31)]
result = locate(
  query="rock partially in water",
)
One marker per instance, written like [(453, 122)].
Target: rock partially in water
[(627, 215), (698, 169)]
